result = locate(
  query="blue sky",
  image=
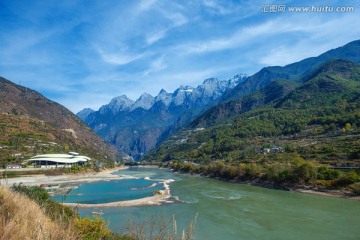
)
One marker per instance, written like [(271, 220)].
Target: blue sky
[(82, 53)]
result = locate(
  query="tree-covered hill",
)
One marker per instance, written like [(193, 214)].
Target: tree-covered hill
[(316, 122), (217, 114)]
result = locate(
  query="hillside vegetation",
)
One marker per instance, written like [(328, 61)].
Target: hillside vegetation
[(313, 129), (30, 124)]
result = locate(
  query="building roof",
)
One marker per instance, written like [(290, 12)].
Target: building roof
[(60, 158)]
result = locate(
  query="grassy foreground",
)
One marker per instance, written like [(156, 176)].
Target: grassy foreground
[(29, 213)]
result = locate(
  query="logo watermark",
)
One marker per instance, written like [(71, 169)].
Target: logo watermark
[(282, 8)]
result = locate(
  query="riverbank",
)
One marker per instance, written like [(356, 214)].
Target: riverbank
[(39, 179), (305, 189), (67, 180), (163, 197)]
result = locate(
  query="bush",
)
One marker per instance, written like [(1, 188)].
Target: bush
[(349, 178), (355, 188), (325, 183), (95, 228), (36, 193), (325, 173)]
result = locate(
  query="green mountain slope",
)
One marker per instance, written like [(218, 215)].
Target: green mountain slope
[(308, 120), (302, 137), (294, 71), (221, 112)]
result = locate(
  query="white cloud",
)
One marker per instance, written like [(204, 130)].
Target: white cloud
[(155, 36), (235, 40), (119, 58), (155, 66), (176, 19), (145, 5), (319, 36), (219, 7), (314, 28)]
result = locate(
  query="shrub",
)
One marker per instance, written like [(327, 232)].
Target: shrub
[(95, 228), (355, 188), (325, 173), (349, 178)]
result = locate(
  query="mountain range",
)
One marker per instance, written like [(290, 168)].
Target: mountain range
[(136, 127), (315, 118), (218, 118), (294, 72), (273, 82)]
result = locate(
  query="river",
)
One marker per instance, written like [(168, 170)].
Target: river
[(226, 210)]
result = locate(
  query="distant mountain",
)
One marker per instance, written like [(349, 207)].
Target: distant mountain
[(270, 83), (84, 113), (224, 111), (317, 119), (117, 104), (137, 127), (28, 118), (293, 72)]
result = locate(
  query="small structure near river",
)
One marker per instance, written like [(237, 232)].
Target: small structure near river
[(58, 160)]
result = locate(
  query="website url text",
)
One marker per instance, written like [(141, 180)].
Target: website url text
[(281, 8)]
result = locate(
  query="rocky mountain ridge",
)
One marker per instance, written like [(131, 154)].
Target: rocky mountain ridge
[(136, 127)]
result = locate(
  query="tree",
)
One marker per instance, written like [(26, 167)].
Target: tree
[(305, 173)]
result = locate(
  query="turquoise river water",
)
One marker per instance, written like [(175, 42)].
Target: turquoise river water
[(224, 210)]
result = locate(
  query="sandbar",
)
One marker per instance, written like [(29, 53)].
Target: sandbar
[(163, 197)]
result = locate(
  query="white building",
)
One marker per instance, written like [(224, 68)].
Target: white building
[(58, 160)]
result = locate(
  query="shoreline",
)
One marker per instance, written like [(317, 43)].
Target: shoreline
[(326, 194), (269, 185), (38, 179), (164, 197)]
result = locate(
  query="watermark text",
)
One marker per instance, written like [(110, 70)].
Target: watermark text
[(282, 8)]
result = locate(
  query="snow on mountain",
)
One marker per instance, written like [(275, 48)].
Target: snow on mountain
[(181, 94)]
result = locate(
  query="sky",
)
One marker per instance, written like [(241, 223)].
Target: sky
[(82, 53)]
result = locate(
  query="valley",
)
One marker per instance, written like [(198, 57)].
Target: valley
[(169, 120)]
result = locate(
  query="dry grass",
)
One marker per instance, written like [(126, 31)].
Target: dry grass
[(21, 218)]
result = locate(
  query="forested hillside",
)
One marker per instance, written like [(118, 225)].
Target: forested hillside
[(316, 125)]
